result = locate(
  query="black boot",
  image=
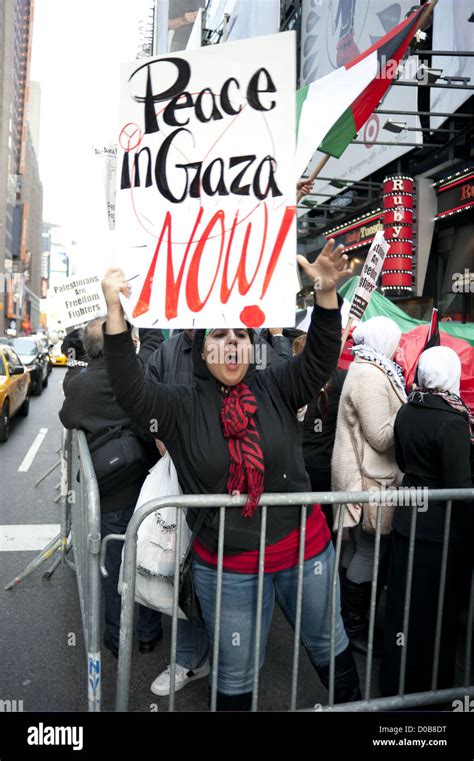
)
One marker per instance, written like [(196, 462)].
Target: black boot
[(355, 605), (346, 679), (242, 702)]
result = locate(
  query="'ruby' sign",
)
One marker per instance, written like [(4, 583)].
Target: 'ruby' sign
[(398, 224)]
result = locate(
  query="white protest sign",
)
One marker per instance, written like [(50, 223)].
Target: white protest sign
[(107, 154), (205, 225), (369, 275), (77, 299)]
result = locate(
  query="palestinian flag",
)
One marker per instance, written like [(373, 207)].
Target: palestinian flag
[(332, 109), (433, 338)]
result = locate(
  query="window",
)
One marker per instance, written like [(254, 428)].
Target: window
[(11, 360)]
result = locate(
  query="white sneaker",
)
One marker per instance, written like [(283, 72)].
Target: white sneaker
[(162, 683)]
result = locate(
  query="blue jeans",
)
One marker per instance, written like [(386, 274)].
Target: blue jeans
[(238, 615), (193, 644)]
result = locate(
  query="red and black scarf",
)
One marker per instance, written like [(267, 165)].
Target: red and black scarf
[(247, 469)]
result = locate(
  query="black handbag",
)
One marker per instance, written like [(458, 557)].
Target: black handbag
[(119, 459), (188, 599)]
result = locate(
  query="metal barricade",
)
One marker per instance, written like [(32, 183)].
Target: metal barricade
[(404, 497), (83, 497)]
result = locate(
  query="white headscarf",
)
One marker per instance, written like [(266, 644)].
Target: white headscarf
[(440, 368), (380, 333), (376, 341)]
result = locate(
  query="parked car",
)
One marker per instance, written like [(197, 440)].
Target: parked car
[(36, 360), (15, 385), (44, 342)]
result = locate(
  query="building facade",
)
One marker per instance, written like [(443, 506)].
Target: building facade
[(21, 196)]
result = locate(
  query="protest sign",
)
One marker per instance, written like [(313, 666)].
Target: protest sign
[(369, 275), (367, 282), (205, 222), (107, 154), (77, 299)]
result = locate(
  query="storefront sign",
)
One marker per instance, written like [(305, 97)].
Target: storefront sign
[(455, 193), (358, 232), (398, 221)]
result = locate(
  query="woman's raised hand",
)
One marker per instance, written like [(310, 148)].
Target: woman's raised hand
[(328, 269)]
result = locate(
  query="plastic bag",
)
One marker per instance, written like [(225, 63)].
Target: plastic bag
[(156, 542)]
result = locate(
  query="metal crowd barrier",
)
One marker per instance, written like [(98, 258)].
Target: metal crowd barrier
[(59, 546), (274, 501), (83, 495)]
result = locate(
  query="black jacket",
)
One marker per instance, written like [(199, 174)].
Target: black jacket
[(91, 406), (189, 424), (432, 448), (172, 361), (319, 431)]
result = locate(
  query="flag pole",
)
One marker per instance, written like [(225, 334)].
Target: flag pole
[(346, 334), (426, 13), (320, 165)]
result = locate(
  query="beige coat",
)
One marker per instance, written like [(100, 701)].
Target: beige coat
[(368, 406)]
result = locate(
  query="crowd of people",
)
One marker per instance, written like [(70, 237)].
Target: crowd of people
[(295, 423)]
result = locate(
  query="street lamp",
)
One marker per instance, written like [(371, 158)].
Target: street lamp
[(427, 76), (396, 127)]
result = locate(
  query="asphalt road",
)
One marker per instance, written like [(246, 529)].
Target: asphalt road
[(41, 663)]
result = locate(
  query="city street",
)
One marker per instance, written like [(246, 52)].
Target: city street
[(239, 186), (41, 665)]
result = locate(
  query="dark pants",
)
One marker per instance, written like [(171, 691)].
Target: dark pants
[(149, 621), (320, 478), (423, 611)]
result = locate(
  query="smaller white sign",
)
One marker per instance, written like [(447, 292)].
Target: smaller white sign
[(107, 154), (369, 275), (77, 300)]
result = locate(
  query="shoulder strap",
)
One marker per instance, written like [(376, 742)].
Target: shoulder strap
[(400, 393), (356, 452), (97, 440)]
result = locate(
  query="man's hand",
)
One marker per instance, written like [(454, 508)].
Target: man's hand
[(160, 447), (188, 18), (276, 331), (113, 284), (304, 187)]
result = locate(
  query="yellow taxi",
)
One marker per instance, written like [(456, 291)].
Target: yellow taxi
[(57, 358), (14, 389)]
